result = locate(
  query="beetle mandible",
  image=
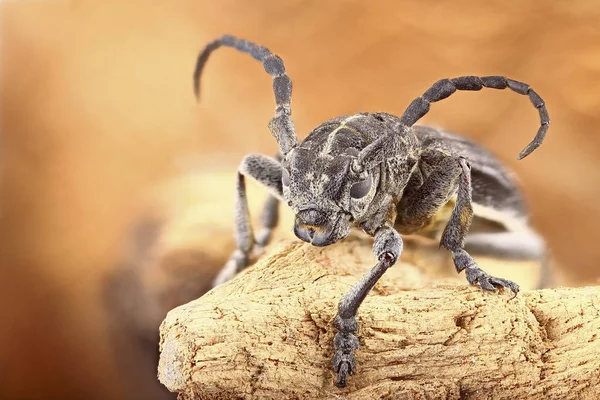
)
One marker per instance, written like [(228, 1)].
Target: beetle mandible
[(387, 176)]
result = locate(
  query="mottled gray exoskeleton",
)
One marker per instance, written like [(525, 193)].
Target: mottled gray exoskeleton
[(384, 175)]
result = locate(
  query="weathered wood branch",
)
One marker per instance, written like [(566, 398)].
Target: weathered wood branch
[(267, 334)]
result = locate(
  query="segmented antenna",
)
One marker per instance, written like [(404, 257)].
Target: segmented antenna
[(281, 124), (446, 87)]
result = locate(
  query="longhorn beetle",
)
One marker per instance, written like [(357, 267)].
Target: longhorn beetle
[(386, 176)]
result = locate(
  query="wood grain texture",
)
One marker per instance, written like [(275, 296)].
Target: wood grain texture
[(267, 334)]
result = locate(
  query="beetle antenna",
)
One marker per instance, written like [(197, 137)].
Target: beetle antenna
[(281, 124), (446, 87)]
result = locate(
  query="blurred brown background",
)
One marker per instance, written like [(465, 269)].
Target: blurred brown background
[(97, 108)]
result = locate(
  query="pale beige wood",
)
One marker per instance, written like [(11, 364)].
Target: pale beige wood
[(267, 334)]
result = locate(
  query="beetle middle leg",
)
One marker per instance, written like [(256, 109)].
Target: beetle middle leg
[(447, 175), (267, 171), (523, 244)]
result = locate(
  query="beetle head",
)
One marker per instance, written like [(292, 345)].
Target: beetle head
[(325, 193)]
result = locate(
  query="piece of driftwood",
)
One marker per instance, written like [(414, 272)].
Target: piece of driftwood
[(267, 334), (181, 237)]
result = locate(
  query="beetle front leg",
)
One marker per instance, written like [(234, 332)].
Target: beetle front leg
[(387, 248), (270, 212), (266, 171)]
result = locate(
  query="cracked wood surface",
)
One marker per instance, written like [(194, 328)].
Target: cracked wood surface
[(267, 334)]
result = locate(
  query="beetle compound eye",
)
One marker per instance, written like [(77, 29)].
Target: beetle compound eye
[(285, 177), (361, 189)]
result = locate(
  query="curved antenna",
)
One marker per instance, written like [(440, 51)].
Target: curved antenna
[(446, 87), (281, 124)]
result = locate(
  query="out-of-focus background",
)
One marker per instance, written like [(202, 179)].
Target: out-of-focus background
[(97, 112)]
